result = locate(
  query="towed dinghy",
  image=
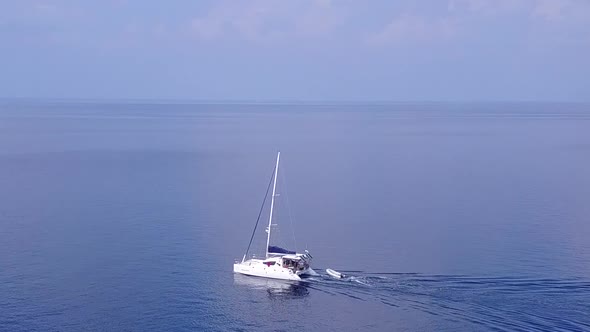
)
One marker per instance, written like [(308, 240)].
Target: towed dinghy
[(335, 274)]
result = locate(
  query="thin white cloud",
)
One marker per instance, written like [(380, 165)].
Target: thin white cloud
[(263, 20), (206, 27), (489, 7), (550, 10), (413, 29), (321, 19), (565, 11)]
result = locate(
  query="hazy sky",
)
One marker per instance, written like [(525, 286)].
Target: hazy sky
[(296, 50)]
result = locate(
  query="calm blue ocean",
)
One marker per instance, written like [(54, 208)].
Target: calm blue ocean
[(127, 216)]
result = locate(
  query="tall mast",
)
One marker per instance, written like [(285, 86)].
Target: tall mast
[(272, 203)]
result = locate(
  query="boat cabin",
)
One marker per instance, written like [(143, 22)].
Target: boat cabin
[(294, 262)]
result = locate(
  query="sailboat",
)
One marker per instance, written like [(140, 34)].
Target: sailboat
[(279, 263)]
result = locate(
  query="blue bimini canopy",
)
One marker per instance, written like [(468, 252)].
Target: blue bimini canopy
[(279, 250)]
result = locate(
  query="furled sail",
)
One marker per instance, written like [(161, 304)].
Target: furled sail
[(279, 250)]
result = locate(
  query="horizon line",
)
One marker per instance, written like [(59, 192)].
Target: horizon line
[(278, 101)]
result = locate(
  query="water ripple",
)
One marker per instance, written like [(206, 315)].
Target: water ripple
[(490, 303)]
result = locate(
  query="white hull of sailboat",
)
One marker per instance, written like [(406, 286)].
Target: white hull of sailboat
[(257, 269), (265, 272)]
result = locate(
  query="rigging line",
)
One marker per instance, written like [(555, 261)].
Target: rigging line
[(259, 214), (284, 178)]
